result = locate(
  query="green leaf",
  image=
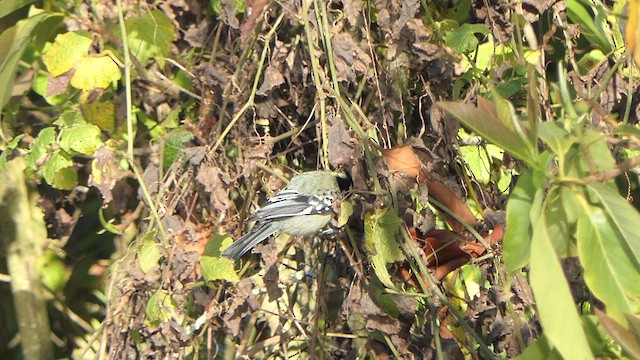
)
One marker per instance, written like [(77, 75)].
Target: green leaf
[(160, 307), (524, 203), (83, 138), (610, 270), (593, 26), (107, 225), (214, 267), (625, 218), (95, 72), (54, 273), (39, 148), (628, 340), (14, 41), (558, 226), (556, 310), (486, 123), (380, 231), (8, 150), (67, 50), (9, 6), (149, 36), (69, 119), (539, 349), (149, 252), (463, 39), (172, 146), (626, 129), (59, 171), (556, 137), (384, 300)]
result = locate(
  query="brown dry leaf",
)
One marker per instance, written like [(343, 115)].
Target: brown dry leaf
[(255, 8), (403, 159), (59, 84), (272, 79), (105, 172), (350, 59), (212, 180), (446, 197), (341, 151), (353, 9), (244, 303), (269, 259)]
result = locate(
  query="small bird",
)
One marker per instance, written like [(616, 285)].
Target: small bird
[(303, 208)]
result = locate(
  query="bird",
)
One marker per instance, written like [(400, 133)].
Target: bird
[(303, 208)]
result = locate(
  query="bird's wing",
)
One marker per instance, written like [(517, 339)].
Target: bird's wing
[(289, 203)]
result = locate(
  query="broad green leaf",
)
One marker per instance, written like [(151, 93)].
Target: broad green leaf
[(599, 340), (556, 137), (38, 150), (14, 41), (95, 72), (214, 267), (69, 118), (463, 39), (625, 218), (156, 130), (380, 231), (149, 36), (628, 339), (589, 156), (479, 164), (488, 125), (172, 146), (556, 309), (383, 299), (150, 251), (84, 138), (526, 196), (67, 50), (610, 270), (9, 6), (626, 129), (571, 204), (558, 226), (593, 26), (539, 349), (58, 171), (160, 307)]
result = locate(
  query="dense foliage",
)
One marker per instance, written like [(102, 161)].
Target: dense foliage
[(493, 147)]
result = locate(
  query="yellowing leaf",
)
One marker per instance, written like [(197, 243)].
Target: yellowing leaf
[(84, 138), (95, 72), (149, 252), (67, 50), (160, 307), (380, 233)]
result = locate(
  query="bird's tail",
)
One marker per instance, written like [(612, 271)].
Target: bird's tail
[(259, 233)]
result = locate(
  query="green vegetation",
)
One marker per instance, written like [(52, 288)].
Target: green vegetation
[(493, 148)]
